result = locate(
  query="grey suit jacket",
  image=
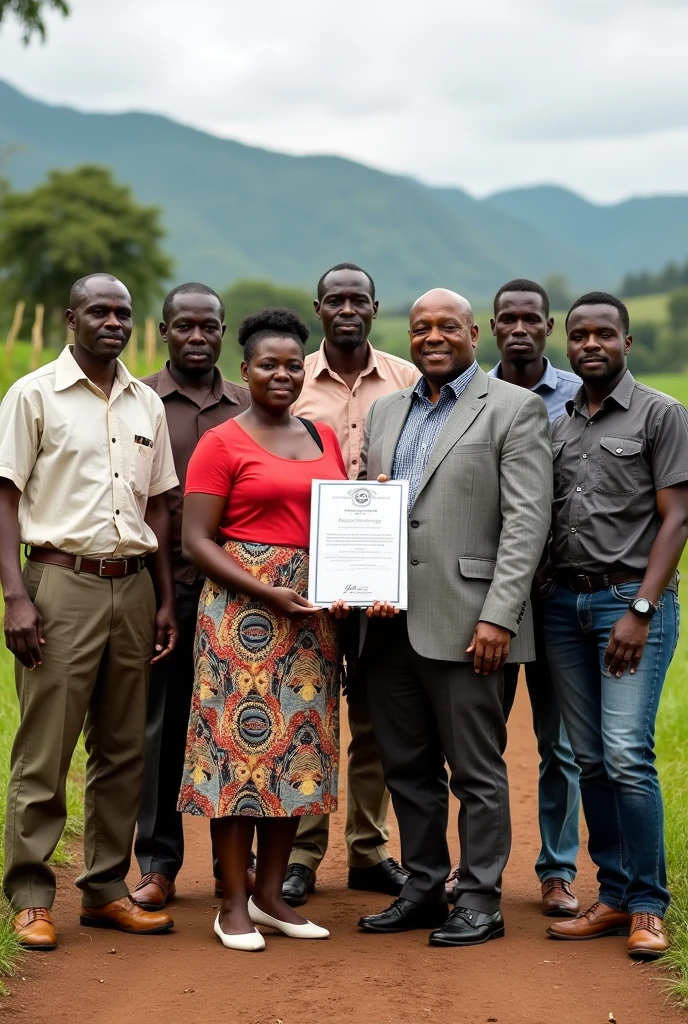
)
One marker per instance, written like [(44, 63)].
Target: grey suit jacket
[(481, 516)]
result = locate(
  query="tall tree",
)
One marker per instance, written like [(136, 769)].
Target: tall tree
[(250, 296), (79, 222), (29, 13)]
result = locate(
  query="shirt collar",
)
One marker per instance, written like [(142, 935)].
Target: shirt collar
[(167, 385), (68, 371), (549, 379), (621, 395), (457, 386), (321, 364)]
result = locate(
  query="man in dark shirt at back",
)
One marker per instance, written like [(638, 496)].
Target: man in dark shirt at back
[(196, 397)]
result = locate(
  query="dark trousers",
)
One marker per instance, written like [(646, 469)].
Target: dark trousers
[(425, 712), (160, 838)]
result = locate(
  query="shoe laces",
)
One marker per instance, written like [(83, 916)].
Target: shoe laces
[(646, 922), (151, 876), (299, 869), (38, 914), (560, 884)]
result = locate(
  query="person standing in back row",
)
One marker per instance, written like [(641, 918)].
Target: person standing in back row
[(343, 379), (196, 397)]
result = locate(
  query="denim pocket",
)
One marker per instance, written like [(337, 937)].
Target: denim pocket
[(626, 591)]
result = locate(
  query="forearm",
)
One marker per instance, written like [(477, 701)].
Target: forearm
[(214, 562), (11, 577), (158, 518), (664, 556)]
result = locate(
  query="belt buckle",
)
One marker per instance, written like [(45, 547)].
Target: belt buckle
[(112, 561), (586, 579)]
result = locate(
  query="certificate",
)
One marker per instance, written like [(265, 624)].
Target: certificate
[(359, 542)]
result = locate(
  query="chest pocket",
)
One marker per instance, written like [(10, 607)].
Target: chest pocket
[(141, 469), (618, 465)]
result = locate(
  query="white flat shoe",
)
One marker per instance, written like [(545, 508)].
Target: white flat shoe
[(294, 931), (250, 942)]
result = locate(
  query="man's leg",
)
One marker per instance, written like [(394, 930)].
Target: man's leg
[(53, 699), (312, 837), (367, 801), (115, 737), (160, 836)]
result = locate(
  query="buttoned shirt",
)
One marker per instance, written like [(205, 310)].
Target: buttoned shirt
[(607, 470), (86, 463), (555, 388), (328, 398), (187, 422), (422, 428)]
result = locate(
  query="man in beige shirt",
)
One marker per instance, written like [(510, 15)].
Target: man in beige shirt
[(343, 379), (85, 460)]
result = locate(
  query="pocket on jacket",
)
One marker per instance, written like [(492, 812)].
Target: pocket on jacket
[(477, 568), (476, 448), (618, 465)]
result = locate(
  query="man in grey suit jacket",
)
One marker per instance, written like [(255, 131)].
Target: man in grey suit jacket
[(477, 454)]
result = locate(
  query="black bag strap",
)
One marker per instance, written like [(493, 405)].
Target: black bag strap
[(312, 430)]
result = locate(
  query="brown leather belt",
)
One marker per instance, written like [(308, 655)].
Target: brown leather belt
[(109, 567), (582, 583)]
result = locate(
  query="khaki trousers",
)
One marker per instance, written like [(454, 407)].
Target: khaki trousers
[(367, 802), (96, 665)]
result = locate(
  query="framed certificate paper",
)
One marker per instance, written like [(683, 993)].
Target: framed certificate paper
[(359, 542)]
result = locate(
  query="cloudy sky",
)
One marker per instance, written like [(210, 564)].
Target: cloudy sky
[(487, 94)]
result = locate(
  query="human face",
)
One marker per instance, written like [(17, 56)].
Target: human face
[(194, 333), (596, 344), (443, 336), (275, 373), (521, 327), (101, 319), (346, 308)]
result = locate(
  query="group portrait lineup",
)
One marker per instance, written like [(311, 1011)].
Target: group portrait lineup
[(154, 562)]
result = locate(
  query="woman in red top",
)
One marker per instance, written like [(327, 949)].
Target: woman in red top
[(263, 741)]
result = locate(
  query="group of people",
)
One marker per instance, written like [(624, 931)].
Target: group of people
[(163, 609)]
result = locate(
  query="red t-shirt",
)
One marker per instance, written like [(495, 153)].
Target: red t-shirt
[(268, 497)]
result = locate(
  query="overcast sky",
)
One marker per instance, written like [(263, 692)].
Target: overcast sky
[(487, 94)]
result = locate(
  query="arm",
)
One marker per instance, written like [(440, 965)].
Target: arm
[(23, 623), (629, 635), (158, 518)]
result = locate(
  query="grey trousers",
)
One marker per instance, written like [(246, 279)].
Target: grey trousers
[(426, 712)]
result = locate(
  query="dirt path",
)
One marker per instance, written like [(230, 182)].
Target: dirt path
[(187, 977)]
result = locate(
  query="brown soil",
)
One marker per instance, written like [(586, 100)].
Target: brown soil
[(188, 977)]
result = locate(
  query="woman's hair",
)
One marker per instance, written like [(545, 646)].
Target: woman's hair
[(268, 324)]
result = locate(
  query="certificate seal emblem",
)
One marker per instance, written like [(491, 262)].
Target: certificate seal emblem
[(361, 496)]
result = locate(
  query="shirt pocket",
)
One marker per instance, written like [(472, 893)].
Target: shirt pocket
[(141, 469), (618, 465)]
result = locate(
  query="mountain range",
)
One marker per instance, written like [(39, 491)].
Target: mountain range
[(234, 211)]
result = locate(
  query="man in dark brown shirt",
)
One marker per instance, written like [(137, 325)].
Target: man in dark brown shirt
[(619, 527), (196, 397)]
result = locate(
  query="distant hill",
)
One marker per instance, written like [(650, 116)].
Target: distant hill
[(236, 211)]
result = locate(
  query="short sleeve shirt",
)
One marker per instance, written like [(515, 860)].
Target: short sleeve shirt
[(607, 471), (86, 464)]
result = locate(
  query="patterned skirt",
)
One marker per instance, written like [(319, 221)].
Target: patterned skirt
[(263, 734)]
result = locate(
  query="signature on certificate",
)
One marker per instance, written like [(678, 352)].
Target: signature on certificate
[(352, 588)]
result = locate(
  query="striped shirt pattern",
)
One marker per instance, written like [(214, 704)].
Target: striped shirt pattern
[(422, 428)]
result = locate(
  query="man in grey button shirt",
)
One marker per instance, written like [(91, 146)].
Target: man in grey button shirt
[(620, 523)]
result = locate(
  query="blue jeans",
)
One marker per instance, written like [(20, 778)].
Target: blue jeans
[(611, 725)]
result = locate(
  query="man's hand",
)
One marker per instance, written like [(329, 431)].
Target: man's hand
[(626, 644), (382, 610), (24, 630), (165, 632), (490, 647)]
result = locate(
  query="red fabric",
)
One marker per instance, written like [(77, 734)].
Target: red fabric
[(268, 497)]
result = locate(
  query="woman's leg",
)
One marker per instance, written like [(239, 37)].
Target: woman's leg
[(232, 838), (275, 840)]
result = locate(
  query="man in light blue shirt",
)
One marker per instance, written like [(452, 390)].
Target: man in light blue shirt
[(521, 326)]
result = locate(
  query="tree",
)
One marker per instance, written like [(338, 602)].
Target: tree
[(79, 222), (29, 13), (678, 309), (250, 296), (557, 288)]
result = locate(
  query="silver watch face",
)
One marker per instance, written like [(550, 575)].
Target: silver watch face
[(642, 605)]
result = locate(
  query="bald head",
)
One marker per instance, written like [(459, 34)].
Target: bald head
[(443, 336), (86, 286)]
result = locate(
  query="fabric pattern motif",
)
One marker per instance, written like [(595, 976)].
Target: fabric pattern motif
[(263, 736)]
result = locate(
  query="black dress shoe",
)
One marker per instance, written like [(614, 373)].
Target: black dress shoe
[(298, 882), (404, 915), (466, 927), (388, 876)]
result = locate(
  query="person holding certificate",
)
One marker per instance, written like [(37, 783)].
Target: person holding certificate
[(477, 457), (263, 739)]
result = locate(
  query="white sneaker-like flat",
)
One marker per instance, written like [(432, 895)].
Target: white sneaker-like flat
[(294, 931), (249, 942)]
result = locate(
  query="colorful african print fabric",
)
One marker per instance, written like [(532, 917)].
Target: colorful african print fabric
[(263, 734)]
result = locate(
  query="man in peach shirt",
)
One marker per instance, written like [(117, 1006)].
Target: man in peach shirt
[(343, 379)]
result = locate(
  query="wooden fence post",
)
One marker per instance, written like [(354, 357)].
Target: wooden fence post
[(150, 340), (14, 332), (37, 337), (131, 351)]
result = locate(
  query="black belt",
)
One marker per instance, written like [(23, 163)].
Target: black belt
[(582, 583), (109, 567)]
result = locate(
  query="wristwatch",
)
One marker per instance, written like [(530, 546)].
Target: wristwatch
[(642, 607)]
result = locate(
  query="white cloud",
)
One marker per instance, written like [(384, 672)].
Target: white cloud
[(593, 95)]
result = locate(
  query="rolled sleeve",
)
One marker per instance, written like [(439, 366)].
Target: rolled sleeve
[(20, 436), (670, 448)]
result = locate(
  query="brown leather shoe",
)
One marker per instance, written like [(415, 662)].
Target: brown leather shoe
[(35, 929), (647, 940), (558, 899), (126, 916), (451, 885), (154, 891), (593, 924)]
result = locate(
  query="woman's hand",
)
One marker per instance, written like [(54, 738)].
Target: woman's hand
[(340, 609), (286, 601), (382, 610)]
